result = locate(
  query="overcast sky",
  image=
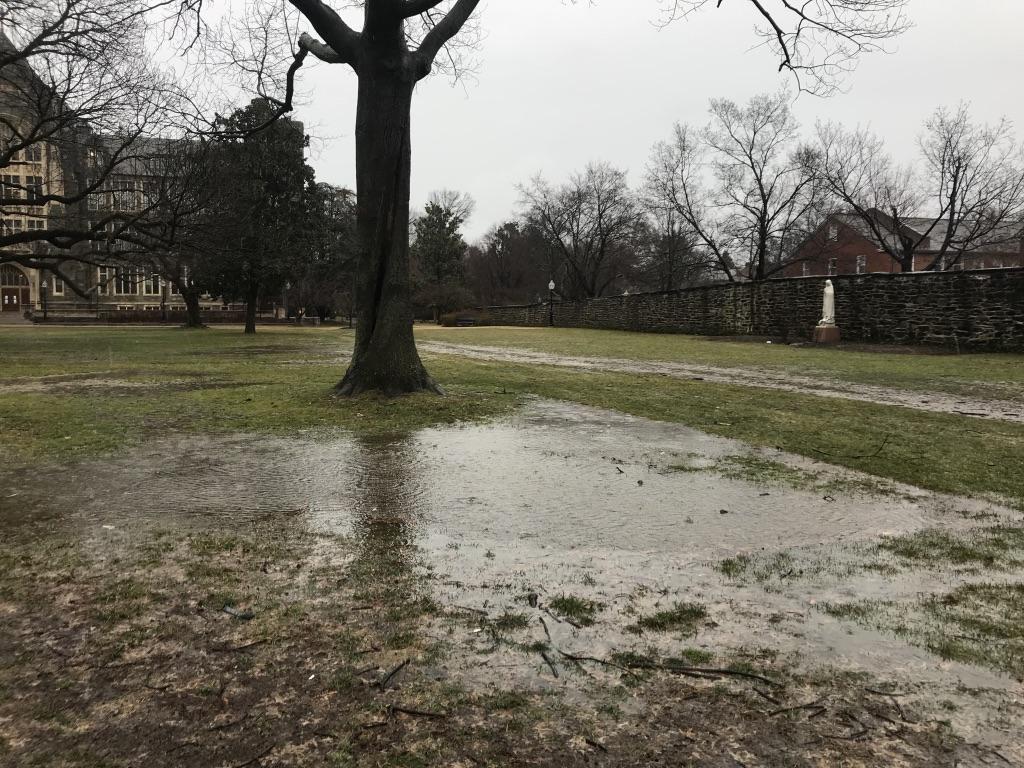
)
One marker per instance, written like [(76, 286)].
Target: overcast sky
[(560, 85)]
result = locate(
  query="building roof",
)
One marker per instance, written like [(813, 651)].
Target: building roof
[(931, 232)]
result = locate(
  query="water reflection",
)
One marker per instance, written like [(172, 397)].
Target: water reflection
[(385, 517)]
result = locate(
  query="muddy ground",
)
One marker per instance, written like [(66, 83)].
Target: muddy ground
[(937, 402), (567, 586)]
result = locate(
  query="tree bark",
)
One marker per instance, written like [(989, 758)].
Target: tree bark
[(252, 303), (193, 319), (384, 358)]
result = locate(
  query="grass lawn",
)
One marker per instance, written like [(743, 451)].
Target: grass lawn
[(280, 381), (1000, 375), (250, 642)]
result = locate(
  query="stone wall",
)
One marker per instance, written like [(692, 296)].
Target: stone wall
[(980, 310)]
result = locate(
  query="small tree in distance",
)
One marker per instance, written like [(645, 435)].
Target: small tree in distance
[(439, 252)]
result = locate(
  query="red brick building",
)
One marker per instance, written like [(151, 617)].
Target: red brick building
[(846, 245)]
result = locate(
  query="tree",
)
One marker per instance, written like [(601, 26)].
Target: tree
[(439, 252), (671, 259), (264, 216), (965, 192), (592, 224), (816, 41), (763, 197), (325, 281), (508, 266)]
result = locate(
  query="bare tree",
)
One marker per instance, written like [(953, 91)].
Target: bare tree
[(671, 258), (740, 185), (593, 223), (80, 109), (965, 193)]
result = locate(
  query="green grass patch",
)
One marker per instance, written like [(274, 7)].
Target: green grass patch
[(281, 381), (980, 624), (681, 617), (583, 612), (998, 547), (691, 657)]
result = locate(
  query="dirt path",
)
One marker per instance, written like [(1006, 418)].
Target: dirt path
[(936, 402)]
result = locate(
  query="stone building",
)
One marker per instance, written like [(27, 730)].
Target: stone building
[(46, 153)]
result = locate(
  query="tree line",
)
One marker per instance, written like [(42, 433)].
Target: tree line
[(738, 197), (95, 63)]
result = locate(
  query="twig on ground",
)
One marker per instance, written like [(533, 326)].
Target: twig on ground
[(550, 664), (562, 619), (576, 658), (234, 648), (545, 625), (415, 712), (596, 745), (764, 695), (390, 675), (816, 704)]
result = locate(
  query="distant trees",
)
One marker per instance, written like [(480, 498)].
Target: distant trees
[(439, 251), (967, 186), (509, 266), (739, 186), (592, 226), (324, 279)]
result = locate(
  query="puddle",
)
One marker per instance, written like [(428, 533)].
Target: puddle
[(559, 499)]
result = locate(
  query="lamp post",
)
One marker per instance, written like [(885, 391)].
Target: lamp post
[(42, 293), (551, 303)]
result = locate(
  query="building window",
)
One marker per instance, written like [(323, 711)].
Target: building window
[(34, 187), (10, 186), (102, 280), (806, 269), (34, 153), (862, 265), (124, 281), (833, 232), (36, 225), (11, 226), (123, 196), (58, 286), (151, 287), (833, 263)]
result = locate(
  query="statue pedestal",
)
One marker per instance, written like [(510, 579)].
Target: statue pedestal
[(826, 334)]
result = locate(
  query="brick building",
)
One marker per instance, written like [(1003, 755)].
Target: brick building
[(846, 245)]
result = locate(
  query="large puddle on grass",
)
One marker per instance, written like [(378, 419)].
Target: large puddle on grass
[(562, 500)]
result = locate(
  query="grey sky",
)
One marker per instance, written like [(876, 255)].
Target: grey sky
[(560, 85)]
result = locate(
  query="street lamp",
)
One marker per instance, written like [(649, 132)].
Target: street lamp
[(43, 284), (551, 303)]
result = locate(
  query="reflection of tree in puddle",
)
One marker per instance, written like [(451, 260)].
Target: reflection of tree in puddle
[(384, 521)]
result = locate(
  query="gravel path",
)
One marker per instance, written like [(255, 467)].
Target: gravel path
[(936, 402)]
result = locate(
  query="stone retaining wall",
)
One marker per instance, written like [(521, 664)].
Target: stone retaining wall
[(978, 310)]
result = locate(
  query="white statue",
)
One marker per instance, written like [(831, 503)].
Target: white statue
[(828, 305)]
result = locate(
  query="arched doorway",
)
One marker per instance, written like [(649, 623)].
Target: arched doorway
[(14, 289)]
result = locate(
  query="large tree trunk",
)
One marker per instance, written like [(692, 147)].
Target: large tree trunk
[(193, 319), (384, 358), (252, 303)]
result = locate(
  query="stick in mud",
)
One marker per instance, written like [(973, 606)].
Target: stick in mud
[(390, 675)]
